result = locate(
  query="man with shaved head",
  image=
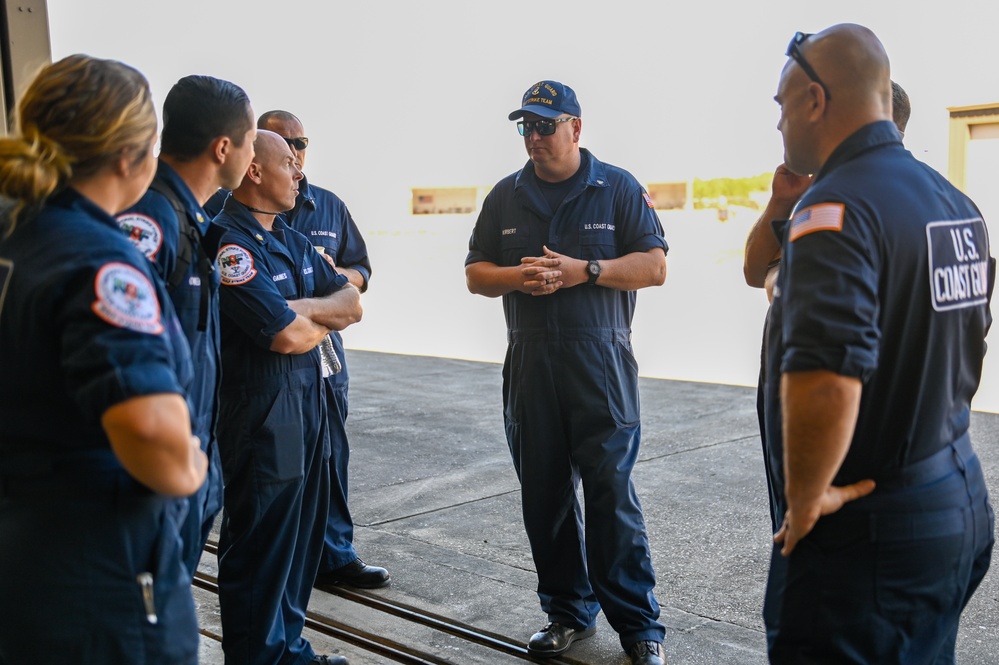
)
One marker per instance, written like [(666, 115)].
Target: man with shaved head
[(760, 267), (875, 345), (279, 301), (322, 217)]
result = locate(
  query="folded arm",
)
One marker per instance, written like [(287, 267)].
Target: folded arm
[(317, 317)]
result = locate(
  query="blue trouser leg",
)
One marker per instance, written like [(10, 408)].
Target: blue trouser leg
[(203, 507), (572, 414), (338, 543), (275, 451), (552, 514), (885, 579)]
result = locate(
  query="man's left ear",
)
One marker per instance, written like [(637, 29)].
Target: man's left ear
[(220, 148)]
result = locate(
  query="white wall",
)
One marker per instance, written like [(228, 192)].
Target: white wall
[(396, 95)]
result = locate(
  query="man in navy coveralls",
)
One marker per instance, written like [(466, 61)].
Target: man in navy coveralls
[(279, 299), (566, 241)]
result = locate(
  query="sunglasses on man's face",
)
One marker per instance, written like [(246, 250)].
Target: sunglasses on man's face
[(298, 143), (542, 127), (794, 52)]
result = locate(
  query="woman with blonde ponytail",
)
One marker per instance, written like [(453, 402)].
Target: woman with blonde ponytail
[(96, 451)]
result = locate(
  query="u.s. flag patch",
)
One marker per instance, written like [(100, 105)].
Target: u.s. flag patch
[(648, 200), (819, 217)]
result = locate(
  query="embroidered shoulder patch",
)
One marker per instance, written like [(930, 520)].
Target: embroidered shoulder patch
[(126, 299), (648, 200), (819, 217), (143, 231), (235, 265)]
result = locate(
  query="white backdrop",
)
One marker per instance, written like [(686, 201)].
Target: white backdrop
[(396, 95)]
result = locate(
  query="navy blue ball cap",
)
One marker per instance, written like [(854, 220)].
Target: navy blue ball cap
[(549, 99)]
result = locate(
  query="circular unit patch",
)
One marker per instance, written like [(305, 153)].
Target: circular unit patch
[(235, 265), (143, 231), (126, 299)]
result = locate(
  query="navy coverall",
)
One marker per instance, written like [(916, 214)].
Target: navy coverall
[(273, 440), (153, 227), (886, 276), (570, 396), (323, 218), (85, 324)]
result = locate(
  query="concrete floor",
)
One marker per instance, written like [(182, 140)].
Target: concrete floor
[(436, 501)]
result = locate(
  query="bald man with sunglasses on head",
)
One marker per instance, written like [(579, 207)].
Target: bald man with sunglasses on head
[(566, 242), (760, 268), (876, 340)]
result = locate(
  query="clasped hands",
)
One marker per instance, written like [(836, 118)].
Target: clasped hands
[(543, 274)]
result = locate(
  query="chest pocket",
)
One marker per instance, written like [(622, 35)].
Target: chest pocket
[(513, 245), (286, 281), (295, 281), (597, 240), (330, 244)]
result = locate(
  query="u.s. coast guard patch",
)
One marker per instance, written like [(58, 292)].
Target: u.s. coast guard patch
[(143, 231), (126, 298), (958, 253), (235, 265)]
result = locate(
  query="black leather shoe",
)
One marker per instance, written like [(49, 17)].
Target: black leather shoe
[(329, 660), (356, 574), (555, 638), (647, 653)]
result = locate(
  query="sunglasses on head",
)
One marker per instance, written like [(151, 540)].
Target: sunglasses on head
[(794, 52), (542, 127), (298, 143)]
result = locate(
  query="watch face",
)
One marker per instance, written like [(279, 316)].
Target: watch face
[(594, 268)]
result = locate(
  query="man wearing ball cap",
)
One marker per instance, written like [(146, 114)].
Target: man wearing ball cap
[(567, 241)]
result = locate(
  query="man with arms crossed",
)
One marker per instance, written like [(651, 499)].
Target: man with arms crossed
[(279, 301)]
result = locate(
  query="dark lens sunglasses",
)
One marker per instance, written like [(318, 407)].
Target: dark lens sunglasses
[(542, 127), (298, 143), (794, 52)]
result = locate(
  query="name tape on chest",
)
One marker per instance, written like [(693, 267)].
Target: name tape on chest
[(819, 217), (235, 265), (958, 263), (143, 231), (126, 299)]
